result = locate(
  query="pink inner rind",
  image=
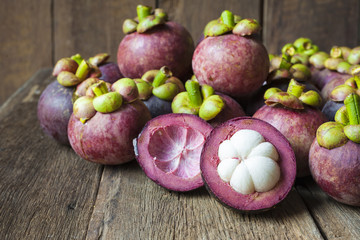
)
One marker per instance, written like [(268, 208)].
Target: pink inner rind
[(185, 176), (222, 190)]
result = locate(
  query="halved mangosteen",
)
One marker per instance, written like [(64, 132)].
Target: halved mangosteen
[(168, 150), (248, 164)]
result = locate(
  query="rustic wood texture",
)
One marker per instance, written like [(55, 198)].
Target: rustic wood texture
[(46, 190), (90, 27), (131, 206), (25, 42), (327, 23), (337, 221), (194, 15)]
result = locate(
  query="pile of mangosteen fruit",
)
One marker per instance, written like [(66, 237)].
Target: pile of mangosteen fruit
[(224, 114)]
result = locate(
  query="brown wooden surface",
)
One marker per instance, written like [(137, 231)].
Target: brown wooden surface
[(48, 192)]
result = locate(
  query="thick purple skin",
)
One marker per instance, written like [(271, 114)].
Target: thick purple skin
[(330, 108), (337, 171), (232, 110), (256, 100), (157, 106), (298, 126), (110, 72), (168, 45), (327, 89), (321, 77), (54, 110), (168, 180), (256, 202), (231, 64), (107, 138)]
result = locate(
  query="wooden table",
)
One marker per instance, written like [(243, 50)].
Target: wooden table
[(48, 192)]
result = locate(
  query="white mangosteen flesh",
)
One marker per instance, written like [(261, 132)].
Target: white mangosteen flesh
[(248, 163)]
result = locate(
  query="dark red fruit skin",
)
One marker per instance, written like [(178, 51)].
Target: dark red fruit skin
[(256, 202), (232, 110), (54, 110), (298, 126), (168, 45), (330, 108), (110, 72), (145, 160), (321, 77), (337, 171), (231, 64), (157, 106), (107, 137)]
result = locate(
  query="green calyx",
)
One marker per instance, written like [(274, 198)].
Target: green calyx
[(346, 126), (159, 83), (318, 59), (198, 100), (228, 22), (146, 20), (351, 85), (293, 98), (83, 108), (98, 59), (105, 101), (127, 88)]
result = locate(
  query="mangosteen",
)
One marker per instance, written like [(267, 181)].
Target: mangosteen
[(295, 114), (168, 150), (334, 154), (157, 89), (204, 102), (151, 42), (248, 164), (101, 128), (230, 58)]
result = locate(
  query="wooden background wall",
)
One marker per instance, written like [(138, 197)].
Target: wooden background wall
[(34, 34)]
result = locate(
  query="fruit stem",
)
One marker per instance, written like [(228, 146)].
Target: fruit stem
[(77, 58), (295, 88), (352, 103), (161, 76), (100, 88), (193, 89), (143, 11), (227, 18), (83, 70)]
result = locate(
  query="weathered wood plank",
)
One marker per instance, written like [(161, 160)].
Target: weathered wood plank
[(25, 43), (194, 15), (131, 206), (90, 27), (336, 220), (327, 23), (46, 191)]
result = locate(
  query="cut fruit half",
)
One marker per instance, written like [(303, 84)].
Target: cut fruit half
[(168, 149), (248, 164)]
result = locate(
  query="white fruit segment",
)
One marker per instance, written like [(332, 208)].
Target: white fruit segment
[(248, 162)]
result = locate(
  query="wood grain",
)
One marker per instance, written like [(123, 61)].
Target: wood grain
[(25, 42), (194, 15), (131, 206), (327, 23), (336, 220), (91, 27), (46, 190)]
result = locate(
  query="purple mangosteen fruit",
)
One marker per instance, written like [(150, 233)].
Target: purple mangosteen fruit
[(157, 89), (334, 154), (295, 115), (110, 72), (101, 128), (248, 164), (204, 102), (152, 42), (168, 150), (54, 110), (55, 104), (230, 59)]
